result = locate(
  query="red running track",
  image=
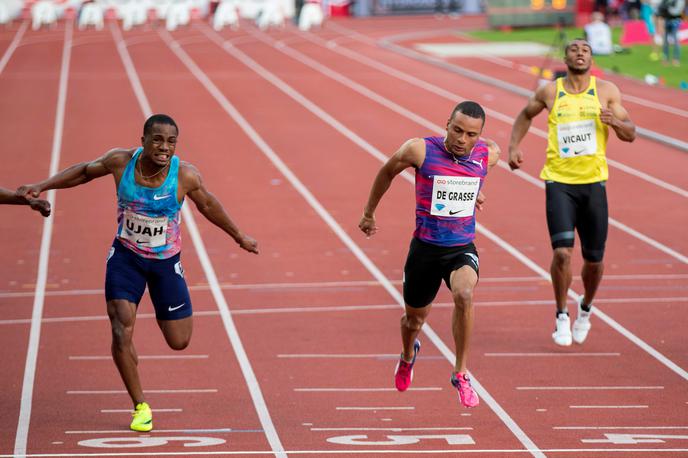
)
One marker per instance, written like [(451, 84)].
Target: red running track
[(303, 364)]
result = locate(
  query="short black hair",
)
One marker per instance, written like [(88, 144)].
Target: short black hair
[(584, 40), (158, 119), (469, 108)]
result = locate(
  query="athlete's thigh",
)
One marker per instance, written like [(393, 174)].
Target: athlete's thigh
[(456, 259), (168, 290), (463, 279), (125, 277), (593, 222), (422, 275), (561, 214)]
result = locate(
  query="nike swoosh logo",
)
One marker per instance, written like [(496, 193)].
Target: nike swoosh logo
[(142, 242), (454, 212), (172, 309), (157, 197), (578, 152)]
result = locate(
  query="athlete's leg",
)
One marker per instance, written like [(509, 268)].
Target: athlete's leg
[(463, 281), (591, 274), (122, 314), (411, 324), (124, 285), (593, 229), (172, 303), (561, 203), (560, 269), (177, 332)]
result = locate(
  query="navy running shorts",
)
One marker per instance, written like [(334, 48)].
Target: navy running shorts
[(427, 265), (127, 275), (579, 206)]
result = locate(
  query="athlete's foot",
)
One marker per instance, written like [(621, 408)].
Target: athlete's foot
[(562, 332), (467, 395), (403, 374), (143, 418), (582, 325)]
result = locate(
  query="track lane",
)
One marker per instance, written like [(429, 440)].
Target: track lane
[(66, 339), (261, 91)]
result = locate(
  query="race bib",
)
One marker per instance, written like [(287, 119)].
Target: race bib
[(454, 196), (146, 231), (578, 138)]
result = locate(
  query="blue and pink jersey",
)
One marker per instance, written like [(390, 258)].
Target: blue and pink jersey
[(148, 218), (446, 191)]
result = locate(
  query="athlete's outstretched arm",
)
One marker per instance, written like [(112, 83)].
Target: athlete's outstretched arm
[(411, 154), (78, 174), (211, 208), (10, 198), (522, 123), (616, 116)]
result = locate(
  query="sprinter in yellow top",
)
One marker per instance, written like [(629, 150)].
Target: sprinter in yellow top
[(581, 111)]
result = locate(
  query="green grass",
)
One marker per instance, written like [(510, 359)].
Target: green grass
[(636, 63)]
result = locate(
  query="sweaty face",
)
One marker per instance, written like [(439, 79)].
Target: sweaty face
[(159, 144), (463, 133), (578, 57)]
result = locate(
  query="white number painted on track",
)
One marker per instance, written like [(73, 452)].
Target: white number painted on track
[(135, 442), (452, 439), (625, 439)]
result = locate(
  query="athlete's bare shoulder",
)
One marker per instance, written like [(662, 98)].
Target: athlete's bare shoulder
[(546, 93), (189, 175), (606, 90), (117, 157), (412, 152)]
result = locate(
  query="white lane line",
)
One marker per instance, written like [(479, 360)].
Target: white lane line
[(158, 431), (361, 390), (22, 433), (616, 427), (495, 114), (325, 215), (352, 308), (13, 45), (376, 408), (586, 388), (610, 407), (109, 358), (397, 430), (344, 355), (442, 130), (180, 391), (320, 113), (547, 354), (368, 452), (343, 284), (230, 328), (129, 410)]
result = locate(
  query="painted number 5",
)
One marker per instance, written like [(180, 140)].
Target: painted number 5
[(452, 439)]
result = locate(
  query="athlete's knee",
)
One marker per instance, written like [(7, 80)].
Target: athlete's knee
[(122, 319), (412, 322), (177, 333), (463, 296), (561, 256), (179, 343), (593, 256)]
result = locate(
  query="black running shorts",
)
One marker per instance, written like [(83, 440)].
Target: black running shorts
[(427, 265), (579, 206)]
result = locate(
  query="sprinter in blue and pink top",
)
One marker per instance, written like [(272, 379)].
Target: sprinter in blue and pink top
[(151, 184), (449, 176)]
